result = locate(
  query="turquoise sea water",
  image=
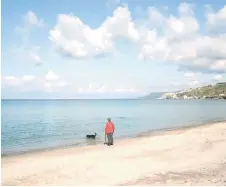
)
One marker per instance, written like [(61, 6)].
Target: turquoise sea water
[(29, 125)]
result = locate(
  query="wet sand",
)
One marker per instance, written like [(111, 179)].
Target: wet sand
[(189, 156)]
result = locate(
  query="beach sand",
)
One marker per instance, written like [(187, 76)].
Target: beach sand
[(189, 156)]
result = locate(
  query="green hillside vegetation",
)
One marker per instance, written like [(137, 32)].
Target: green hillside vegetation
[(211, 91), (217, 91)]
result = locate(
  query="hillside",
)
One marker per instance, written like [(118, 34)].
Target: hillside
[(153, 95), (217, 91)]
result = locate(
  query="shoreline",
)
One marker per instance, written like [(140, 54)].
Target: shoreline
[(139, 135), (178, 128), (187, 156)]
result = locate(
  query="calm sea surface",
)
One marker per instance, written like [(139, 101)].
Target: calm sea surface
[(29, 125)]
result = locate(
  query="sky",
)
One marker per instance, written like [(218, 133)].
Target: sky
[(110, 48)]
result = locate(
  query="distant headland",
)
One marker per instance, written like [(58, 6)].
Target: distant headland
[(217, 91)]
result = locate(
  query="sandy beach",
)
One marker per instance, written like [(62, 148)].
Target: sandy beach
[(189, 156)]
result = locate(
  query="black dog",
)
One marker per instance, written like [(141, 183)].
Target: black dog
[(93, 136)]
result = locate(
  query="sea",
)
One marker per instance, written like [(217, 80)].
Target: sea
[(35, 125)]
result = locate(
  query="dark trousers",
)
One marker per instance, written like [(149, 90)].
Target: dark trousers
[(110, 138)]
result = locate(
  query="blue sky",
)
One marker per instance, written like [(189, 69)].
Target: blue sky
[(110, 49)]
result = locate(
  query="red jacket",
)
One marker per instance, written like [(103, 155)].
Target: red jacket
[(110, 128)]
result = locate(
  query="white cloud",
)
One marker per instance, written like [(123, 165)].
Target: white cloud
[(101, 89), (28, 50), (30, 21), (155, 18), (216, 20), (11, 80), (193, 83), (51, 76), (178, 41), (185, 9), (28, 77), (30, 18), (62, 84), (51, 83), (164, 43), (26, 82), (30, 55), (189, 75), (181, 28), (126, 90), (35, 58), (48, 87), (92, 89), (56, 86), (175, 83), (71, 37), (218, 77), (171, 39)]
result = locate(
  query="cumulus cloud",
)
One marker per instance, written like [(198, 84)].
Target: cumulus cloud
[(107, 89), (11, 80), (91, 88), (169, 41), (24, 78), (30, 55), (30, 18), (193, 83), (24, 83), (28, 77), (51, 76), (34, 55), (185, 9), (175, 83), (53, 83), (50, 82), (218, 77), (62, 84), (189, 75), (192, 79), (101, 89), (30, 21), (216, 20), (156, 19), (166, 38), (127, 90), (71, 37), (179, 41), (57, 86), (29, 51)]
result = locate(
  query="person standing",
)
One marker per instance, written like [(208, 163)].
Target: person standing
[(109, 131)]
